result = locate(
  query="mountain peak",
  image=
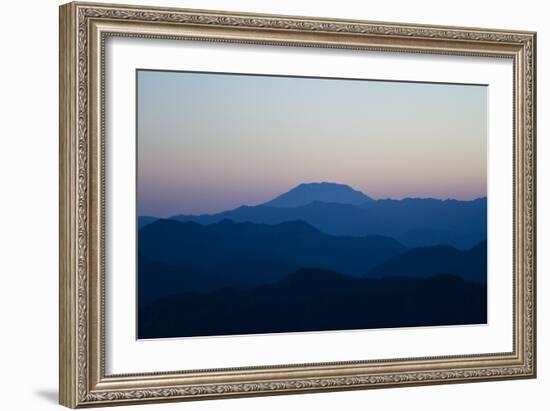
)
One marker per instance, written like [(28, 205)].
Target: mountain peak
[(326, 192)]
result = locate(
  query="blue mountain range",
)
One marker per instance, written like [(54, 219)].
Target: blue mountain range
[(340, 210), (307, 193), (316, 243)]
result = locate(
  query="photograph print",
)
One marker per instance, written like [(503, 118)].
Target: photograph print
[(280, 204)]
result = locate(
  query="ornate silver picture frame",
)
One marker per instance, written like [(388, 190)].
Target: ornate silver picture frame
[(84, 30)]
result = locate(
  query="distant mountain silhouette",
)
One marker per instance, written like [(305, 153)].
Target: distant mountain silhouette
[(247, 253), (429, 221), (429, 237), (321, 256), (316, 300), (156, 279), (470, 265), (415, 222), (143, 220), (307, 193)]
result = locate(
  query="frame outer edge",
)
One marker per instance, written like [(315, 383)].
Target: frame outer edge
[(534, 199), (77, 385), (68, 326)]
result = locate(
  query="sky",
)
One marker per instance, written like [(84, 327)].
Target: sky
[(212, 142)]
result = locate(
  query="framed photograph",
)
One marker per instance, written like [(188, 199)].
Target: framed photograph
[(260, 204)]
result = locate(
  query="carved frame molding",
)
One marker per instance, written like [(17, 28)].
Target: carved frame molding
[(83, 30)]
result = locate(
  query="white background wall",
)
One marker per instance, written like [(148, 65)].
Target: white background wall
[(28, 206)]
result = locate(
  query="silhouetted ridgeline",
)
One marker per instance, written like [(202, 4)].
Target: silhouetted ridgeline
[(143, 220), (250, 276), (470, 265), (338, 209), (305, 194), (314, 300), (294, 243), (320, 257)]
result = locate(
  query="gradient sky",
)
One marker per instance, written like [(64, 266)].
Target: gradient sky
[(213, 142)]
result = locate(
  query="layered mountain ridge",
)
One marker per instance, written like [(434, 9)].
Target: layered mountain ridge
[(307, 193), (321, 256), (413, 221)]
